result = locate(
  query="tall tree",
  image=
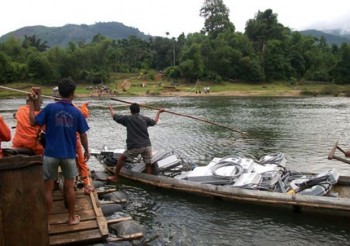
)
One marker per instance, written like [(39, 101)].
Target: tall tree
[(263, 28), (35, 42), (341, 71), (216, 16)]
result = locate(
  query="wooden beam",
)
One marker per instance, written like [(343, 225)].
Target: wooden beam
[(115, 221), (331, 153)]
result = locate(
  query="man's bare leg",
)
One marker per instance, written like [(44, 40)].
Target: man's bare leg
[(70, 198), (149, 169), (118, 167)]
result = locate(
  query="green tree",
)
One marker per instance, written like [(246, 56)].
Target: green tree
[(262, 28), (341, 71), (216, 16), (191, 65), (35, 42), (276, 63), (251, 70), (41, 70)]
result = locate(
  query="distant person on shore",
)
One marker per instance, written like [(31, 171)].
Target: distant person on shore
[(137, 140), (63, 120), (27, 136), (5, 133)]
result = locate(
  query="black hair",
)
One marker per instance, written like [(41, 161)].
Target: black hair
[(66, 87), (134, 108)]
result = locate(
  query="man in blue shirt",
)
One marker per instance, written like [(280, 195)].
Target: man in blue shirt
[(62, 120)]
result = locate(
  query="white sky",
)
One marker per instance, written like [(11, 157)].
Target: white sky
[(156, 17)]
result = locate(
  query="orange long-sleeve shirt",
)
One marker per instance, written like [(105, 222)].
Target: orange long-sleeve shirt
[(82, 165), (26, 136), (5, 133)]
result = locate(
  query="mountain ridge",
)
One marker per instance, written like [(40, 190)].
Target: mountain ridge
[(61, 36), (332, 36), (83, 33)]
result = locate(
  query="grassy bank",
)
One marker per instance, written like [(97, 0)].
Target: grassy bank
[(141, 87)]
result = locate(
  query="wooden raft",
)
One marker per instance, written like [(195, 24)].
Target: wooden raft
[(92, 227)]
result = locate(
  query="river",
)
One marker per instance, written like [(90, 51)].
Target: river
[(304, 129)]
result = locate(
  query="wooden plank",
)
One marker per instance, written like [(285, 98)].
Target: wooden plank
[(63, 218), (331, 153), (341, 159), (64, 228), (114, 221), (101, 220), (105, 191), (128, 237), (76, 237), (92, 220), (80, 204), (119, 201)]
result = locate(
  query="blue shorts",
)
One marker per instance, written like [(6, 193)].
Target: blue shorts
[(68, 168)]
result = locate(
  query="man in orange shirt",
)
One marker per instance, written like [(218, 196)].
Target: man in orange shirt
[(81, 163), (5, 133), (27, 136)]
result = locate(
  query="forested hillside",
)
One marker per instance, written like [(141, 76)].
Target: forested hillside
[(267, 51), (61, 36), (331, 38)]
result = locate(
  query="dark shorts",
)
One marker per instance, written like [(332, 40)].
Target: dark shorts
[(145, 152)]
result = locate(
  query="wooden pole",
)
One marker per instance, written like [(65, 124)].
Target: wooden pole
[(25, 92), (37, 100), (183, 115)]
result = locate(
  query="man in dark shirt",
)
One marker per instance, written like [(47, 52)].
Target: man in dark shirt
[(137, 140)]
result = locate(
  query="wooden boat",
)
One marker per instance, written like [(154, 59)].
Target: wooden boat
[(336, 199)]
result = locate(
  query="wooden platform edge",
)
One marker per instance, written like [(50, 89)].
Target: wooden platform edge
[(101, 220)]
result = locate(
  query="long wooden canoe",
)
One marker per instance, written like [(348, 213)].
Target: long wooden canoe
[(339, 205)]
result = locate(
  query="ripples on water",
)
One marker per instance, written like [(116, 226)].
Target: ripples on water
[(304, 129)]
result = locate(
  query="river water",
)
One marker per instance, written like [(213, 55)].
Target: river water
[(304, 129)]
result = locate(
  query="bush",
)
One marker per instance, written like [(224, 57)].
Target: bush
[(330, 90)]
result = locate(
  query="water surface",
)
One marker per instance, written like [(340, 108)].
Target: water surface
[(304, 129)]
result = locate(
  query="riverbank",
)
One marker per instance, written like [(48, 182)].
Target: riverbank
[(168, 89)]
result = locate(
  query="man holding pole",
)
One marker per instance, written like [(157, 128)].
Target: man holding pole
[(137, 141)]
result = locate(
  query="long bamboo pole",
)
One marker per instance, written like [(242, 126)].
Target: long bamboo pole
[(24, 92), (183, 115)]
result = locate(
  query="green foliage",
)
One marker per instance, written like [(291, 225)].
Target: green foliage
[(216, 16), (330, 90), (192, 65), (173, 72), (35, 42), (341, 71), (267, 51)]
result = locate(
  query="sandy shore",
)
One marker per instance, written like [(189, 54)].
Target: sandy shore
[(290, 93)]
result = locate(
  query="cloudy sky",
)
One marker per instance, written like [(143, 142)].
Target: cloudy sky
[(156, 17)]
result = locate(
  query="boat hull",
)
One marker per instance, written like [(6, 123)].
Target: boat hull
[(294, 202)]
